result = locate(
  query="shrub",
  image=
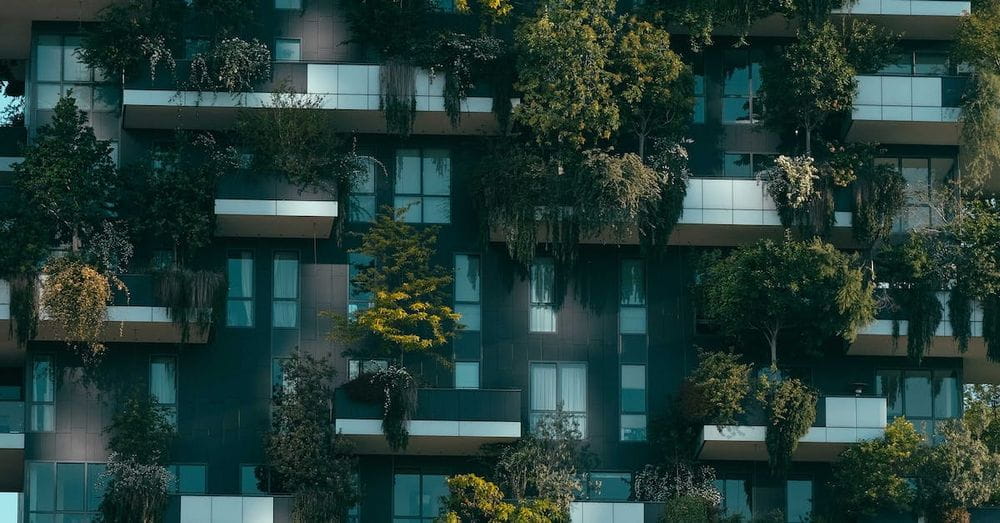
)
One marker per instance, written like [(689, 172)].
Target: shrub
[(791, 409), (689, 509), (716, 389), (76, 296)]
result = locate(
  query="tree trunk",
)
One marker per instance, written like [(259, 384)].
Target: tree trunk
[(773, 339)]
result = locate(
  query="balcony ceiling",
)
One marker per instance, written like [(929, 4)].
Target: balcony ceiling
[(17, 15)]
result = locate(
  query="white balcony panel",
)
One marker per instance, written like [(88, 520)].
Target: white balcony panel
[(11, 441), (908, 7), (606, 512), (227, 509), (291, 208)]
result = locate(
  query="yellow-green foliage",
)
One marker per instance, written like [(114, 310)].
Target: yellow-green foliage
[(472, 499), (76, 296)]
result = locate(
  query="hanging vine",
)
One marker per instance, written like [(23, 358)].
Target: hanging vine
[(192, 298), (913, 283), (461, 58), (397, 86), (76, 296), (396, 390), (791, 409)]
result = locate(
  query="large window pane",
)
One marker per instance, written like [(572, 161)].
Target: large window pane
[(946, 395), (95, 487), (633, 388), (436, 209), (239, 313), (434, 488), (610, 486), (191, 479), (406, 495), (48, 59), (466, 278), (408, 171), (286, 275), (241, 275), (412, 205), (889, 383), (41, 486), (288, 49), (573, 379), (543, 387), (70, 487), (74, 70), (736, 73), (633, 283), (249, 485), (798, 504), (917, 392), (543, 275), (737, 498), (437, 172), (736, 109), (633, 427), (163, 379), (43, 379), (737, 165), (471, 315), (466, 374)]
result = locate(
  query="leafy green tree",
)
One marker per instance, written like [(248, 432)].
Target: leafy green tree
[(872, 476), (564, 72), (134, 34), (807, 291), (982, 413), (913, 280), (307, 457), (715, 390), (68, 176), (409, 313), (956, 474), (811, 81), (791, 409), (136, 480), (657, 90)]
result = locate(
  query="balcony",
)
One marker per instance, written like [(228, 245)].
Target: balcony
[(140, 319), (351, 91), (15, 24), (228, 509), (907, 109), (11, 445), (731, 211), (452, 422), (841, 421), (615, 512), (916, 19), (264, 206)]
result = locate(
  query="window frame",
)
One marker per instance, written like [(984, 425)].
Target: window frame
[(423, 195), (754, 115), (543, 305), (253, 287), (296, 301), (535, 414), (934, 419), (171, 408), (87, 510), (33, 402), (355, 194), (284, 39)]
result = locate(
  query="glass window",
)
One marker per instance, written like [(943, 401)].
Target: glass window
[(41, 486), (95, 487), (358, 299), (917, 394), (423, 185), (559, 384), (288, 4), (287, 49), (933, 63), (467, 281), (946, 395), (798, 500), (736, 497), (633, 403), (249, 484), (542, 310), (163, 384), (362, 199), (741, 79), (356, 367), (699, 91), (466, 374), (406, 495), (889, 383), (609, 486), (43, 386), (737, 165), (59, 71), (239, 302), (190, 479), (285, 304), (900, 64), (70, 487)]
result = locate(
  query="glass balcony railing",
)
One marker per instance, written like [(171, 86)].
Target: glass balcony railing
[(443, 405), (11, 417)]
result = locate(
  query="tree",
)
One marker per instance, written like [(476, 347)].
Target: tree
[(307, 457), (982, 414), (133, 34), (472, 499), (957, 473), (68, 175), (805, 290), (872, 476), (811, 81), (564, 73), (547, 463), (715, 390), (136, 480), (791, 409), (409, 313), (657, 89)]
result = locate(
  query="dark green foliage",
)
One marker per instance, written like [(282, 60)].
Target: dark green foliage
[(879, 198), (294, 137), (68, 177), (133, 35), (957, 473), (976, 44), (309, 459), (398, 101), (23, 306), (140, 429), (689, 509), (791, 409), (913, 283), (394, 389), (808, 291), (233, 65), (392, 28), (462, 58), (172, 203), (715, 390), (193, 298)]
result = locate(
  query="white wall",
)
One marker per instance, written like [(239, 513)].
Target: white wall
[(227, 509)]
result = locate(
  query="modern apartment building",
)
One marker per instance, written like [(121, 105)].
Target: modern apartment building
[(611, 346)]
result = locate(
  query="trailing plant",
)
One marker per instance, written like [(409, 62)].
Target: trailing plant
[(670, 160), (396, 390), (192, 298), (879, 197), (133, 35), (305, 454), (673, 481), (791, 183), (807, 291), (410, 311), (397, 87), (873, 476), (295, 139), (613, 192), (969, 244), (173, 202), (913, 282), (791, 409), (716, 389), (136, 480), (232, 65), (461, 58), (23, 307), (76, 296), (975, 44)]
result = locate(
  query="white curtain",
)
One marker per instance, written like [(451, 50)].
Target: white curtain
[(574, 388), (543, 387), (163, 380), (241, 277), (286, 276)]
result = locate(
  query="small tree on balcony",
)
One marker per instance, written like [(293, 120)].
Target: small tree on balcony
[(976, 44), (805, 292), (304, 453), (134, 34), (409, 313), (136, 481)]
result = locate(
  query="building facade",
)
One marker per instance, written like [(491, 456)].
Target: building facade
[(611, 342)]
